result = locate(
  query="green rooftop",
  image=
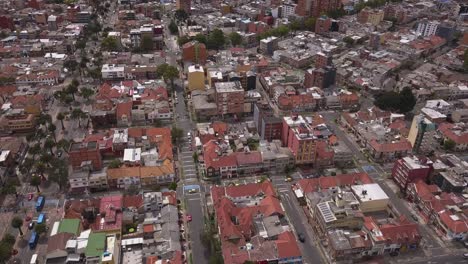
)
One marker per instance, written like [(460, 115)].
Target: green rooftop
[(96, 245), (71, 226)]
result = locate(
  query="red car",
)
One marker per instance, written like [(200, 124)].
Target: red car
[(30, 196), (189, 218)]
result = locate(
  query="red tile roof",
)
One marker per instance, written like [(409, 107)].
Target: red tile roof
[(253, 157), (401, 232), (148, 228), (455, 132), (287, 246), (402, 145), (220, 127), (312, 185), (161, 136), (124, 109), (455, 223), (132, 201)]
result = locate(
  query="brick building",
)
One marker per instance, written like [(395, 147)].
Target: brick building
[(229, 98), (194, 52), (185, 5), (82, 152), (410, 169)]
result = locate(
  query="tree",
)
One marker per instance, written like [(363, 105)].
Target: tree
[(200, 38), (216, 39), (40, 229), (236, 38), (184, 39), (17, 222), (71, 65), (295, 25), (173, 28), (40, 168), (86, 93), (309, 23), (34, 150), (146, 43), (77, 114), (110, 44), (59, 172), (173, 186), (171, 73), (50, 144), (465, 60), (61, 117), (195, 157), (177, 134), (9, 239), (349, 41), (402, 102), (63, 144), (35, 181), (71, 89), (46, 158), (449, 144), (52, 128), (181, 15), (161, 69), (115, 164), (5, 252)]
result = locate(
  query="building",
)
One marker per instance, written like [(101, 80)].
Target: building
[(371, 16), (371, 197), (185, 5), (229, 98), (301, 137), (323, 24), (421, 134), (268, 126), (457, 133), (269, 45), (287, 9), (252, 225), (410, 169), (83, 153), (460, 116), (17, 120), (196, 78), (427, 28), (375, 40), (112, 72), (194, 52)]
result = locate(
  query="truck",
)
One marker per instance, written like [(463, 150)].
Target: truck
[(33, 240), (40, 203)]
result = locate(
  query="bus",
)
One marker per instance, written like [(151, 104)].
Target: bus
[(40, 203), (33, 240), (41, 219)]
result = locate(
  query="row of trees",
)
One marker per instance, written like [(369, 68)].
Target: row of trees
[(280, 31), (215, 40), (67, 95), (402, 102)]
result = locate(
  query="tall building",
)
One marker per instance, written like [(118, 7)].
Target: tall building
[(371, 16), (409, 170), (85, 153), (194, 52), (323, 6), (229, 98), (427, 28), (268, 126), (196, 78), (185, 5), (298, 136), (421, 134)]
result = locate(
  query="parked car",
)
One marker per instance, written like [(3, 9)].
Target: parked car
[(30, 196), (31, 225), (465, 256), (189, 218)]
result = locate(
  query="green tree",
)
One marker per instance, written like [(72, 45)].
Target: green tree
[(110, 44), (200, 38), (86, 93), (115, 164), (72, 90), (216, 39), (407, 100), (77, 114), (173, 28), (161, 69), (402, 102), (40, 168), (17, 223), (349, 41), (295, 25), (58, 172), (9, 239), (52, 128), (195, 157), (61, 116), (449, 144), (146, 43), (177, 134), (465, 60), (184, 39), (63, 144), (173, 186), (236, 38), (40, 229), (309, 23), (35, 181), (50, 144), (181, 15), (170, 74), (71, 65), (34, 150)]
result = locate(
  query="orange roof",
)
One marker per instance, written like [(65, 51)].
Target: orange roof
[(454, 132), (402, 145), (312, 185), (161, 136), (287, 246), (148, 228), (166, 168), (124, 109)]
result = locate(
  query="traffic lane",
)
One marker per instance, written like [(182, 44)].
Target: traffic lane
[(194, 208), (442, 259), (298, 221)]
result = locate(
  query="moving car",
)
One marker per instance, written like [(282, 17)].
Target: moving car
[(301, 237), (31, 225)]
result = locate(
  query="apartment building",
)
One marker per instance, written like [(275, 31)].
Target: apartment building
[(229, 98), (410, 169), (83, 153)]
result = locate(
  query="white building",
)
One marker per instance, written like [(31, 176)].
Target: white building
[(371, 197), (112, 71), (427, 28), (288, 9)]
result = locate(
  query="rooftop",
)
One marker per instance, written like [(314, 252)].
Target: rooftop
[(369, 192)]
